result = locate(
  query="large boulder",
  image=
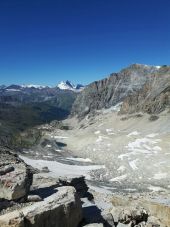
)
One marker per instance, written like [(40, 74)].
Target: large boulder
[(15, 176), (133, 214), (63, 208), (78, 182)]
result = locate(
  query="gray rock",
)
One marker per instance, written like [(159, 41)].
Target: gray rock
[(45, 169), (140, 88), (142, 224), (41, 180), (78, 183), (6, 169), (62, 209), (154, 222), (133, 214), (16, 179), (108, 219)]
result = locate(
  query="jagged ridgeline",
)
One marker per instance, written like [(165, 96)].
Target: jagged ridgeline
[(22, 109), (138, 88)]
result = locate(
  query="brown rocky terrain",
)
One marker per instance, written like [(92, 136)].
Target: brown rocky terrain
[(138, 87)]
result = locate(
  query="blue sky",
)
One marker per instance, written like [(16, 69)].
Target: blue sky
[(45, 41)]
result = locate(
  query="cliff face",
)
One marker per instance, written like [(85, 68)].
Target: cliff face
[(138, 88)]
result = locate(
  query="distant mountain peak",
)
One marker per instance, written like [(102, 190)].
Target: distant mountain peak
[(33, 86), (68, 85)]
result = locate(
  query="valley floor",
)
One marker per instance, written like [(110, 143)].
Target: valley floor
[(123, 155)]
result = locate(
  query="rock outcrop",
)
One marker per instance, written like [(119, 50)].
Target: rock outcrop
[(78, 183), (63, 208), (15, 176), (137, 88)]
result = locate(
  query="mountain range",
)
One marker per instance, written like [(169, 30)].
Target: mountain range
[(63, 85), (136, 88)]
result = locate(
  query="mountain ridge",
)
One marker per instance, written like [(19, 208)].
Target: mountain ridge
[(63, 85), (139, 87)]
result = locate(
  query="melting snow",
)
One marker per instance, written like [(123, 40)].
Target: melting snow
[(58, 150), (159, 176), (109, 130), (59, 169), (133, 164), (135, 133), (121, 169), (119, 178), (152, 135), (60, 137), (158, 66), (97, 132), (80, 159), (155, 188), (100, 138)]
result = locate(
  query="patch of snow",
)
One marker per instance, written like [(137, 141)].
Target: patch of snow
[(59, 169), (130, 189), (60, 137), (121, 169), (119, 178), (48, 145), (80, 159), (155, 188), (100, 138), (58, 150), (97, 132), (143, 145), (158, 66), (152, 135), (133, 164), (47, 156), (33, 86), (135, 133), (11, 89), (101, 189), (109, 130), (159, 176), (157, 148), (117, 107), (111, 133)]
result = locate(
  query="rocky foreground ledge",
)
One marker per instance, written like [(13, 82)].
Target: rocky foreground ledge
[(29, 198)]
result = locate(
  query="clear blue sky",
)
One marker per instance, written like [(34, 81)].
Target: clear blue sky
[(45, 41)]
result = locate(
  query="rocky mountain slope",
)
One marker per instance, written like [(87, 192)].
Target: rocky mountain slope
[(137, 88)]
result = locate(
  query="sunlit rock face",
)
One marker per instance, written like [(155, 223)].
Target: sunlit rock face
[(15, 176), (138, 87)]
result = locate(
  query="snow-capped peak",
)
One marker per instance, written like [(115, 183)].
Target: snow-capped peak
[(158, 66), (33, 86), (67, 85)]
